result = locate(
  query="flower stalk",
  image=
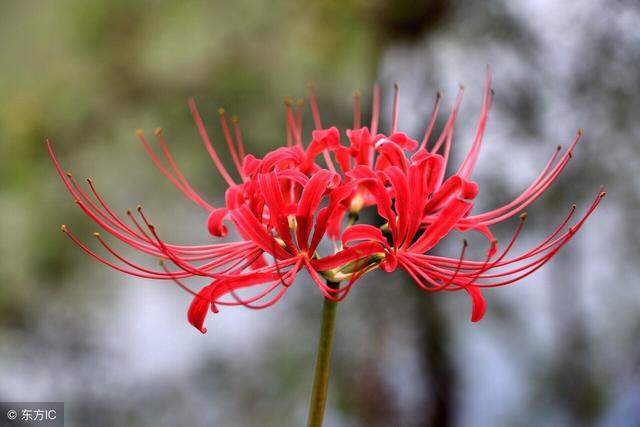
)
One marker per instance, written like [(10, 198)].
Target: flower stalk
[(323, 361)]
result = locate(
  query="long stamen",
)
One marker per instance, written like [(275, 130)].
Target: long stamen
[(417, 275), (189, 290), (540, 185), (177, 281), (447, 135), (287, 123), (149, 248), (529, 190), (356, 109), (451, 279), (186, 187), (203, 270), (113, 252), (79, 196), (175, 259), (292, 129), (137, 225), (229, 140), (142, 237), (240, 301), (206, 250), (239, 141), (396, 107), (82, 246), (244, 260), (437, 262), (207, 143), (485, 265), (469, 162), (550, 248), (299, 108), (533, 267), (334, 294), (315, 112), (432, 122), (318, 123), (375, 109), (554, 246), (159, 164), (249, 302), (110, 219), (168, 253), (448, 128), (533, 195), (457, 270)]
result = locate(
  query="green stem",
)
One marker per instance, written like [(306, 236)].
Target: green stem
[(323, 362)]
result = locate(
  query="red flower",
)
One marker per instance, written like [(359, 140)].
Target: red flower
[(285, 204)]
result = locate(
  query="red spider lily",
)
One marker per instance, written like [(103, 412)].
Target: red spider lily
[(286, 203)]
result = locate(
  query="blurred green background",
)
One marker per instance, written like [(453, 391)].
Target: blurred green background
[(560, 349)]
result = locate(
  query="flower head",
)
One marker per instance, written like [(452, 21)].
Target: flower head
[(284, 205)]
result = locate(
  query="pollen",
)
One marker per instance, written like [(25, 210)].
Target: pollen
[(293, 223)]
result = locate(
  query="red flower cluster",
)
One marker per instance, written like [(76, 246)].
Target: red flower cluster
[(285, 204)]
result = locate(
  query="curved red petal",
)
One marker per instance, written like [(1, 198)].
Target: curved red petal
[(215, 223), (478, 303)]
